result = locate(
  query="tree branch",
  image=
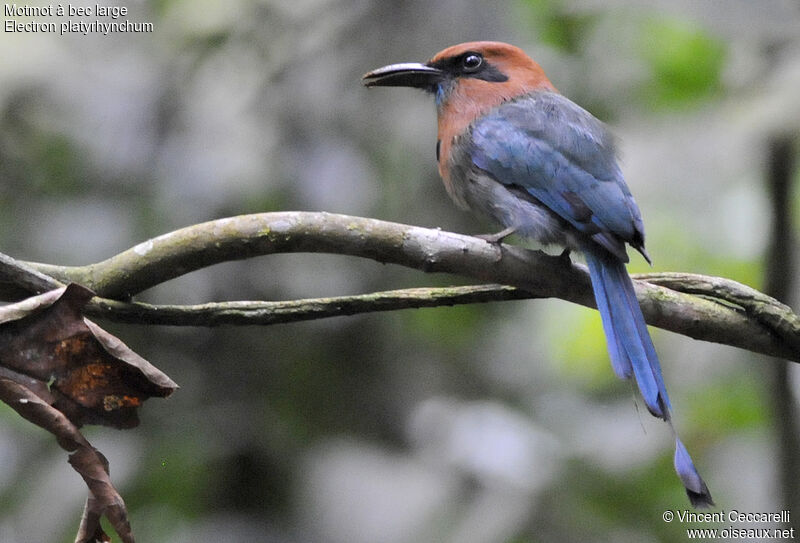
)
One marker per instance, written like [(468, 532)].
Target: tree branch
[(265, 313), (707, 308)]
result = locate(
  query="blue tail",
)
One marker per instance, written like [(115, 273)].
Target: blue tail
[(629, 343), (632, 353)]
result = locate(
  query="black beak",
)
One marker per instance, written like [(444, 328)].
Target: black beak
[(406, 74)]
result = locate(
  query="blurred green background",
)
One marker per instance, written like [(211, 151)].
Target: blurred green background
[(480, 424)]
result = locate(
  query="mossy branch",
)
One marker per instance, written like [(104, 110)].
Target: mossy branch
[(701, 307)]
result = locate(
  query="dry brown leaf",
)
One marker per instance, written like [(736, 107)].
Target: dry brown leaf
[(60, 370), (92, 376)]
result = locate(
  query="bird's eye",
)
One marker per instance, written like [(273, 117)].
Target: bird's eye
[(472, 62)]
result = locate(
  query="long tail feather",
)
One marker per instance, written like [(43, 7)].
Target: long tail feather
[(630, 346), (695, 487), (632, 353)]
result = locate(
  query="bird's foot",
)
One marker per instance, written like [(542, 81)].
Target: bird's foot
[(496, 240), (498, 237)]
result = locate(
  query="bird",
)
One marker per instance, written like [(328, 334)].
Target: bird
[(513, 149)]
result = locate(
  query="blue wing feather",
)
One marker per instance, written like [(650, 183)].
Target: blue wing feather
[(559, 155), (564, 158)]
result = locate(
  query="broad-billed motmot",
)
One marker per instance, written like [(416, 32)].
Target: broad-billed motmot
[(511, 148)]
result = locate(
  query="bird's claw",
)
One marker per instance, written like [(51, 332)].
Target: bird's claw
[(496, 240), (498, 237)]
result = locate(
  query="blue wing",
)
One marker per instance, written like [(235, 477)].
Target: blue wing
[(557, 153), (546, 148)]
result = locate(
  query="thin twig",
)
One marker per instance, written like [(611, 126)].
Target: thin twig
[(266, 313)]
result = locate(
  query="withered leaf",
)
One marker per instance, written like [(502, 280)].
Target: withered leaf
[(103, 498), (92, 377)]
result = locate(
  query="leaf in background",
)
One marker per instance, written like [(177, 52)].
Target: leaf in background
[(685, 62), (557, 23), (90, 375)]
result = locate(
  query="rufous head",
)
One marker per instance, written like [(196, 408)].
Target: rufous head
[(467, 80), (484, 72)]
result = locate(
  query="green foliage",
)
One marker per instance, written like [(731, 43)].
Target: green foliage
[(738, 400), (578, 346), (555, 25), (681, 249), (59, 164), (630, 502), (444, 326), (175, 476), (684, 61), (54, 166)]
